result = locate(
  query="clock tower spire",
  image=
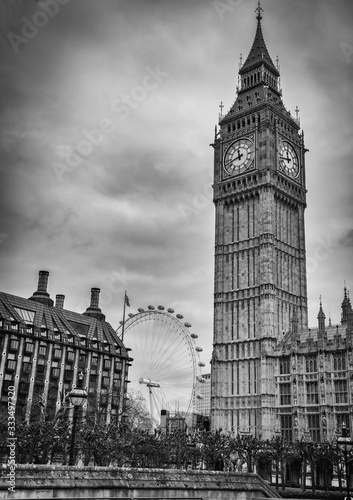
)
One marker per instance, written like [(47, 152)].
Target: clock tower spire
[(260, 268)]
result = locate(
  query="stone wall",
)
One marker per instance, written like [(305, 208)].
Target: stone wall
[(50, 481)]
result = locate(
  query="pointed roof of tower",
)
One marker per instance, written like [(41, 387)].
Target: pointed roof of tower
[(258, 54), (321, 313), (346, 305)]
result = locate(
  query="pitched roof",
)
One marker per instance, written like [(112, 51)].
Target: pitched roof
[(28, 313)]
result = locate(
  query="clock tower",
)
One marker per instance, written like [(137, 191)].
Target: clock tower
[(260, 269)]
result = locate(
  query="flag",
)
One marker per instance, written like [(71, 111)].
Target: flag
[(127, 302)]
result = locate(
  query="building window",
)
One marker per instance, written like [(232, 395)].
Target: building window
[(57, 353), (68, 375), (286, 427), (314, 426), (29, 347), (5, 388), (11, 365), (284, 366), (312, 394), (339, 362), (40, 374), (42, 350), (70, 355), (285, 394), (24, 387), (55, 372), (311, 364), (13, 345), (27, 367), (341, 395), (342, 418), (107, 364)]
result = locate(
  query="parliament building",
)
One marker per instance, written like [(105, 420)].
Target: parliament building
[(271, 374)]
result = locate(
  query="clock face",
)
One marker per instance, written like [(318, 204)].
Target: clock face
[(288, 159), (239, 156)]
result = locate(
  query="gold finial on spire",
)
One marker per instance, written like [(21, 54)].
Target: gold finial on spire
[(259, 10)]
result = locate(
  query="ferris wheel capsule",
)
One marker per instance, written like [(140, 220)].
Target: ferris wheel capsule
[(131, 315), (141, 310), (188, 325), (201, 363), (161, 308), (199, 349), (151, 308), (199, 396), (179, 316), (170, 310), (194, 336)]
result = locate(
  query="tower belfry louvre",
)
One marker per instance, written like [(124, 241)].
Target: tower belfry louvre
[(260, 287)]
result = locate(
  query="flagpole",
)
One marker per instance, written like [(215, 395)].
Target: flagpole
[(122, 333)]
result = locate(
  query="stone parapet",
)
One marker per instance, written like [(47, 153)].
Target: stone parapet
[(50, 481)]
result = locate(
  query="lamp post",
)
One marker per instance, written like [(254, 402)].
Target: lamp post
[(77, 396), (345, 445)]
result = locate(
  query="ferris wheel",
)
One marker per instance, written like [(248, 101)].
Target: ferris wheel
[(166, 364)]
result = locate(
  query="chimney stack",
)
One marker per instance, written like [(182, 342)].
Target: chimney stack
[(95, 297), (59, 303), (93, 310), (41, 295)]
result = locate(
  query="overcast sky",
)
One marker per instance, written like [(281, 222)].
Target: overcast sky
[(108, 109)]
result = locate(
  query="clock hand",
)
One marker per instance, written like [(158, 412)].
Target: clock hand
[(287, 158), (240, 155)]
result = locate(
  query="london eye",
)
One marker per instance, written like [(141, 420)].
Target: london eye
[(166, 362)]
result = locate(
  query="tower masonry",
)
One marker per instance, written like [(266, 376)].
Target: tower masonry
[(260, 286)]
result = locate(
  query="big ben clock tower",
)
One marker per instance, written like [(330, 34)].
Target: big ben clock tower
[(260, 269)]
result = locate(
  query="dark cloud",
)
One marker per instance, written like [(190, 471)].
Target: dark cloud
[(117, 219), (347, 240)]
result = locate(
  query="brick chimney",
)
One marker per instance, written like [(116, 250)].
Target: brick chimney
[(41, 295), (93, 310), (59, 302)]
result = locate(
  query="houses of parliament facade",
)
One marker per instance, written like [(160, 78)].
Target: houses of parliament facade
[(271, 374)]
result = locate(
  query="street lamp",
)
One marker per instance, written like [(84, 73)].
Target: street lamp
[(77, 396), (345, 445)]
